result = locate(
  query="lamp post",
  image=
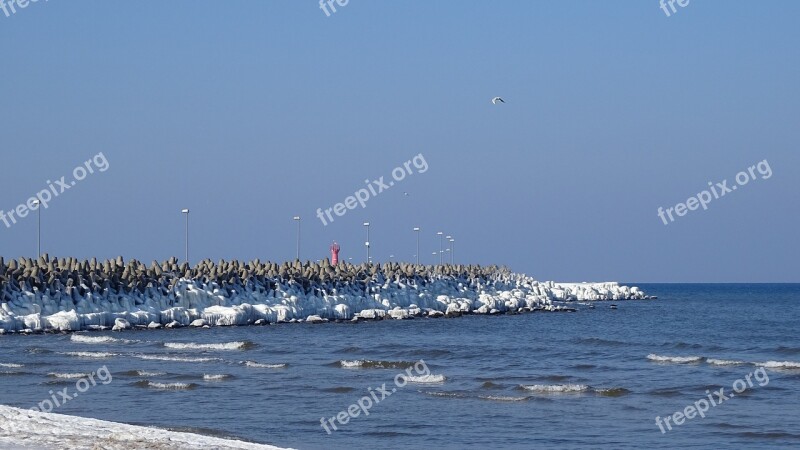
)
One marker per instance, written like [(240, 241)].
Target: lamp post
[(186, 211), (38, 228), (366, 224), (297, 219), (449, 238), (441, 247), (452, 251), (434, 254), (417, 229)]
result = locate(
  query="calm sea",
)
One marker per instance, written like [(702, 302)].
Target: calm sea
[(594, 378)]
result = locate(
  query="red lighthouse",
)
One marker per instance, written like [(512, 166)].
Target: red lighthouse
[(334, 253)]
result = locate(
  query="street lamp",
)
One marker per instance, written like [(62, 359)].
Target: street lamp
[(417, 229), (297, 219), (434, 254), (366, 224), (441, 247), (449, 238), (186, 211), (452, 251), (38, 228)]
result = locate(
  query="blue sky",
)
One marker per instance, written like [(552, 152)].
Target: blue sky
[(251, 112)]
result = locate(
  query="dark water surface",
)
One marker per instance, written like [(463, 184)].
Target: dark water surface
[(590, 381)]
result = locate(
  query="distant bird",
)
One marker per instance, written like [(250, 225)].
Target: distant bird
[(497, 100), (405, 193)]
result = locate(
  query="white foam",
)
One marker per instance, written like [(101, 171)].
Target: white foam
[(263, 366), (779, 365), (556, 388), (144, 373), (724, 362), (219, 377), (170, 386), (98, 355), (351, 364), (193, 346), (68, 376), (426, 379), (175, 358), (12, 365), (674, 359), (84, 339), (501, 398)]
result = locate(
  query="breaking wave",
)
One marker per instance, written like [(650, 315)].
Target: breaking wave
[(556, 388), (367, 364), (220, 377), (238, 345), (675, 359), (174, 358), (68, 376), (97, 355), (85, 339), (724, 362), (426, 379), (779, 365), (263, 366), (165, 386)]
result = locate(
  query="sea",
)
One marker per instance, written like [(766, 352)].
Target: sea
[(595, 378)]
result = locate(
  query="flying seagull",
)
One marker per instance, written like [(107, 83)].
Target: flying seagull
[(497, 100)]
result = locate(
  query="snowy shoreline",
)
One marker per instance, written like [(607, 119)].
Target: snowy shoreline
[(68, 295), (20, 428)]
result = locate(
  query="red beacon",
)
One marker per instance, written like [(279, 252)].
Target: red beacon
[(334, 253)]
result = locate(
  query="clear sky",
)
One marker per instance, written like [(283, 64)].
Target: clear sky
[(251, 112)]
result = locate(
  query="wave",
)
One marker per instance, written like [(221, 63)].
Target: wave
[(500, 398), (264, 366), (68, 376), (165, 386), (84, 339), (339, 390), (98, 355), (12, 373), (445, 394), (612, 392), (220, 377), (175, 358), (675, 359), (599, 341), (142, 373), (490, 385), (368, 364), (788, 350), (724, 362), (666, 392), (11, 365), (238, 345), (779, 365), (426, 379), (684, 345), (556, 388), (349, 350), (37, 350), (556, 378)]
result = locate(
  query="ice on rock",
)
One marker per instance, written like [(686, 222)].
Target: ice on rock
[(270, 298), (121, 324)]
